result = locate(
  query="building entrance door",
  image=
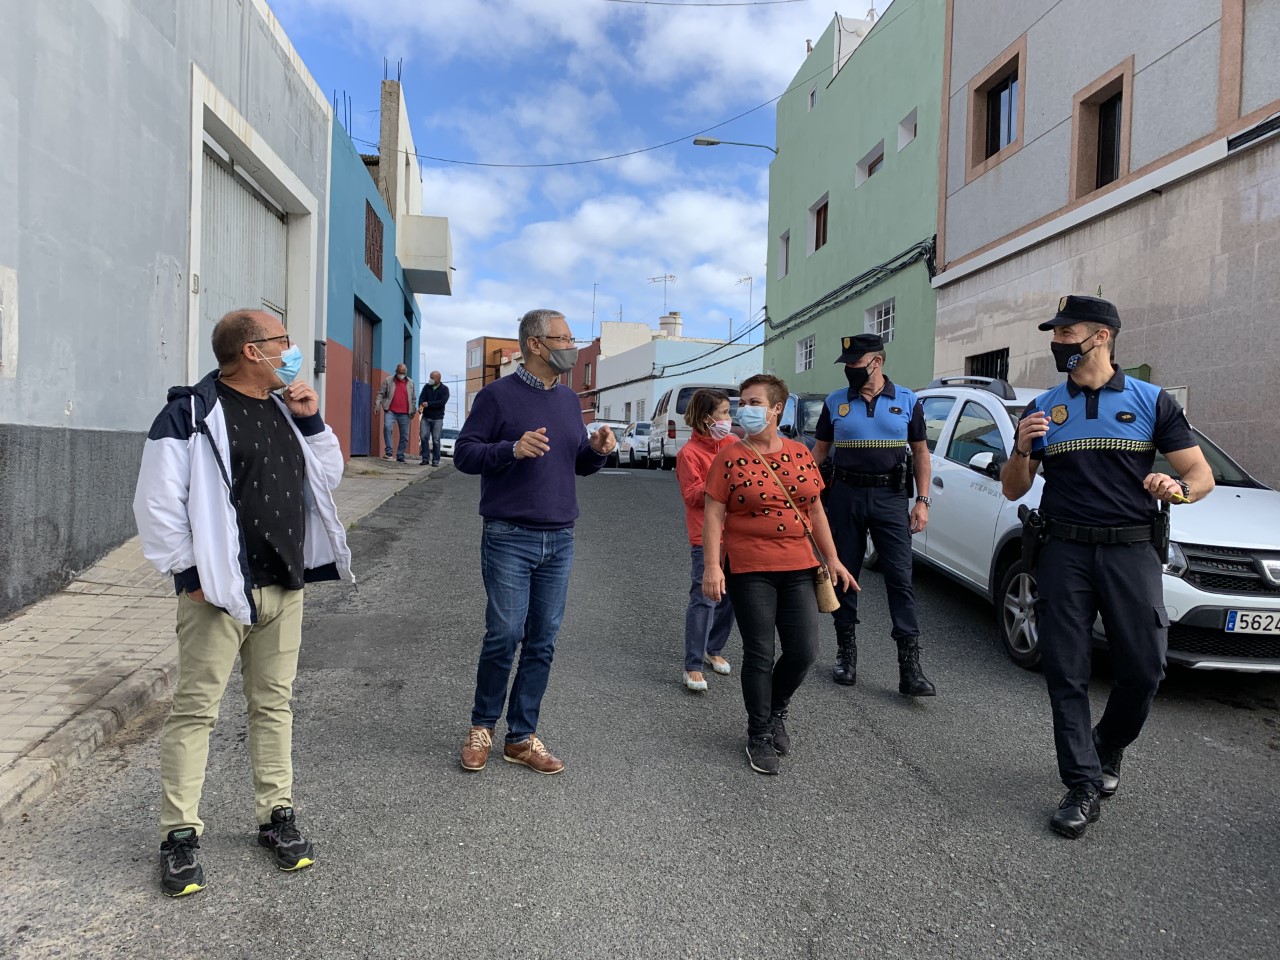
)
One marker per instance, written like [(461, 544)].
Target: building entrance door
[(361, 384)]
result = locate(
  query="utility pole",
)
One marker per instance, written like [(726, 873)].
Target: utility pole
[(593, 310), (664, 280), (750, 282)]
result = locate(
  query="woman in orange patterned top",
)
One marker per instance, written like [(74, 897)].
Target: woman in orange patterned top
[(769, 561)]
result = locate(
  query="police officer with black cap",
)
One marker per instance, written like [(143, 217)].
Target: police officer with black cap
[(1096, 436), (871, 425)]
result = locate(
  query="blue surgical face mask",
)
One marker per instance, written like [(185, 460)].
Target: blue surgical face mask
[(292, 359), (754, 420)]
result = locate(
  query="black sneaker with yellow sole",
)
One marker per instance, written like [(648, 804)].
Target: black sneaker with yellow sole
[(291, 849), (180, 871)]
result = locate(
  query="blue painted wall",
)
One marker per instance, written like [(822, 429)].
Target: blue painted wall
[(350, 279)]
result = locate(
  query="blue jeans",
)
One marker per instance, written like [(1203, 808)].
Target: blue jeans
[(431, 439), (706, 623), (388, 419), (526, 577)]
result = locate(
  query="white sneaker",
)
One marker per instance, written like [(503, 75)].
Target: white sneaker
[(720, 665), (695, 682)]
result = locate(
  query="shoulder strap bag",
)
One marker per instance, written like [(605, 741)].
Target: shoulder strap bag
[(828, 601)]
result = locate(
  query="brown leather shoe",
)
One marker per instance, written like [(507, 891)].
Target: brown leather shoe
[(475, 752), (533, 755)]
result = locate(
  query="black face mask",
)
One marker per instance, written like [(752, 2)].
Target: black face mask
[(857, 376), (1068, 356)]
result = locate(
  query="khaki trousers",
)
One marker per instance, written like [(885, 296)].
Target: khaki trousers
[(208, 643)]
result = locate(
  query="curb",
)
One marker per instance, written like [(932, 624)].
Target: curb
[(34, 776)]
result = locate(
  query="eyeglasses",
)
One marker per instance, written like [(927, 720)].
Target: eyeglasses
[(285, 337), (567, 339)]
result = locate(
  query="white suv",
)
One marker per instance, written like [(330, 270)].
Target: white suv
[(669, 432), (1222, 579)]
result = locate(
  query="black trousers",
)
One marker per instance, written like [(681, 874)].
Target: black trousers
[(783, 602), (1076, 581), (856, 512)]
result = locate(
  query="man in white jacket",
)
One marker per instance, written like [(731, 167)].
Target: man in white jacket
[(235, 501)]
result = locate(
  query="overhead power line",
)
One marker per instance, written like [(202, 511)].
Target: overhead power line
[(728, 3)]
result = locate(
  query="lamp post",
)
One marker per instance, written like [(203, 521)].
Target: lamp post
[(750, 282), (713, 142)]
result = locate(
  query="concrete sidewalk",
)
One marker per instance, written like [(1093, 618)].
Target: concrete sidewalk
[(79, 665)]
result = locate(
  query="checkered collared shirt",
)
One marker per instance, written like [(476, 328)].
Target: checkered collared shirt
[(533, 381)]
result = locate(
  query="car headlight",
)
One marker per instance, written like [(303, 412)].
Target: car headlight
[(1176, 562)]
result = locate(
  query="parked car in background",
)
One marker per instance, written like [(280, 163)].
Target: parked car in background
[(800, 417), (1221, 578), (669, 432), (618, 429), (448, 437), (633, 445)]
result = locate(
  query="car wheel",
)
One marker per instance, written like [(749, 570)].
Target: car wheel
[(871, 559), (631, 459), (1016, 613)]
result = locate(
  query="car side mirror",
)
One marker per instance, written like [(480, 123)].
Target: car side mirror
[(985, 462)]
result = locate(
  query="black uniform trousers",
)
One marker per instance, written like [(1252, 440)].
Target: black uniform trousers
[(856, 512), (1076, 581)]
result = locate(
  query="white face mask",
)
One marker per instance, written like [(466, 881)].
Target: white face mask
[(720, 429)]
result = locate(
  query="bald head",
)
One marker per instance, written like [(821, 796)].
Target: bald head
[(238, 329)]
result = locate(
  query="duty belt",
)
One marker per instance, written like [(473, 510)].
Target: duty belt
[(866, 479), (1078, 533)]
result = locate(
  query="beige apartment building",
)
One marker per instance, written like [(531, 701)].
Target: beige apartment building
[(1123, 148)]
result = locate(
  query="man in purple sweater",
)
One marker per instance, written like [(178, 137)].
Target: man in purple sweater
[(526, 439)]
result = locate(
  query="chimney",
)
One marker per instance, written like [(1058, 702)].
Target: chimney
[(671, 325), (808, 46)]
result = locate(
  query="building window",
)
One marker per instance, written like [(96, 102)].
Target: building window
[(626, 411), (997, 98), (639, 410), (1100, 125), (607, 412), (784, 254), (586, 375), (1002, 115), (568, 379), (869, 164), (804, 354), (372, 240), (880, 319), (993, 364), (813, 98), (818, 225), (474, 357), (907, 129)]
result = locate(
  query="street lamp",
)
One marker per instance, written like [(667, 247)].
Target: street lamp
[(712, 142)]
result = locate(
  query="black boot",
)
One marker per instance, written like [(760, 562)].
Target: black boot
[(846, 668), (911, 679)]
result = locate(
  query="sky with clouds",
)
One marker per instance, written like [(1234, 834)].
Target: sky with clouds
[(549, 81)]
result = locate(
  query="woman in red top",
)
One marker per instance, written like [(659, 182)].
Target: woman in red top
[(770, 561), (706, 622)]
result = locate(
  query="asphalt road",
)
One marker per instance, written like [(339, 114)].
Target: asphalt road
[(898, 829)]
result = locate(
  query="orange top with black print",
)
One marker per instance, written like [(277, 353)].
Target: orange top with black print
[(761, 532)]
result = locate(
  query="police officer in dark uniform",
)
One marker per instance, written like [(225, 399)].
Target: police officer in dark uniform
[(1095, 436), (871, 425)]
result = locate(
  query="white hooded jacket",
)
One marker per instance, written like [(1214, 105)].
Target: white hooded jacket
[(187, 518)]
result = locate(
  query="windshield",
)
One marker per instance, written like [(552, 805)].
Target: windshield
[(1226, 472), (642, 430), (812, 408), (448, 433)]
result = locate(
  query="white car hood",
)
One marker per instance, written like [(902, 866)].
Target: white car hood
[(1230, 517)]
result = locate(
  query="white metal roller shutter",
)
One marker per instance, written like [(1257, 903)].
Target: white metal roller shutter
[(243, 244)]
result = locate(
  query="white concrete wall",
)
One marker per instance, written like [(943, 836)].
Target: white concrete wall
[(677, 362)]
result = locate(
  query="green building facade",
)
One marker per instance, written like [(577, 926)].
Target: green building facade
[(853, 199)]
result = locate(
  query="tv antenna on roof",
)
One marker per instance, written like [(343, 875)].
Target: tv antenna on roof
[(664, 280)]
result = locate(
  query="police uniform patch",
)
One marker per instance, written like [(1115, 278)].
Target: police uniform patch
[(1124, 416), (847, 342), (1062, 304), (1059, 414), (843, 410)]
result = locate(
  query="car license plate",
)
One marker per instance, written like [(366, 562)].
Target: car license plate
[(1253, 621)]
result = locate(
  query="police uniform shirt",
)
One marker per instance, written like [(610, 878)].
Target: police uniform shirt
[(1101, 446), (871, 436)]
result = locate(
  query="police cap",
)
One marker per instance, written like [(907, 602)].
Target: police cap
[(859, 345), (1075, 309)]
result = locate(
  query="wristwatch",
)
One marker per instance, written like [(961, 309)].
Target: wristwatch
[(925, 500)]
